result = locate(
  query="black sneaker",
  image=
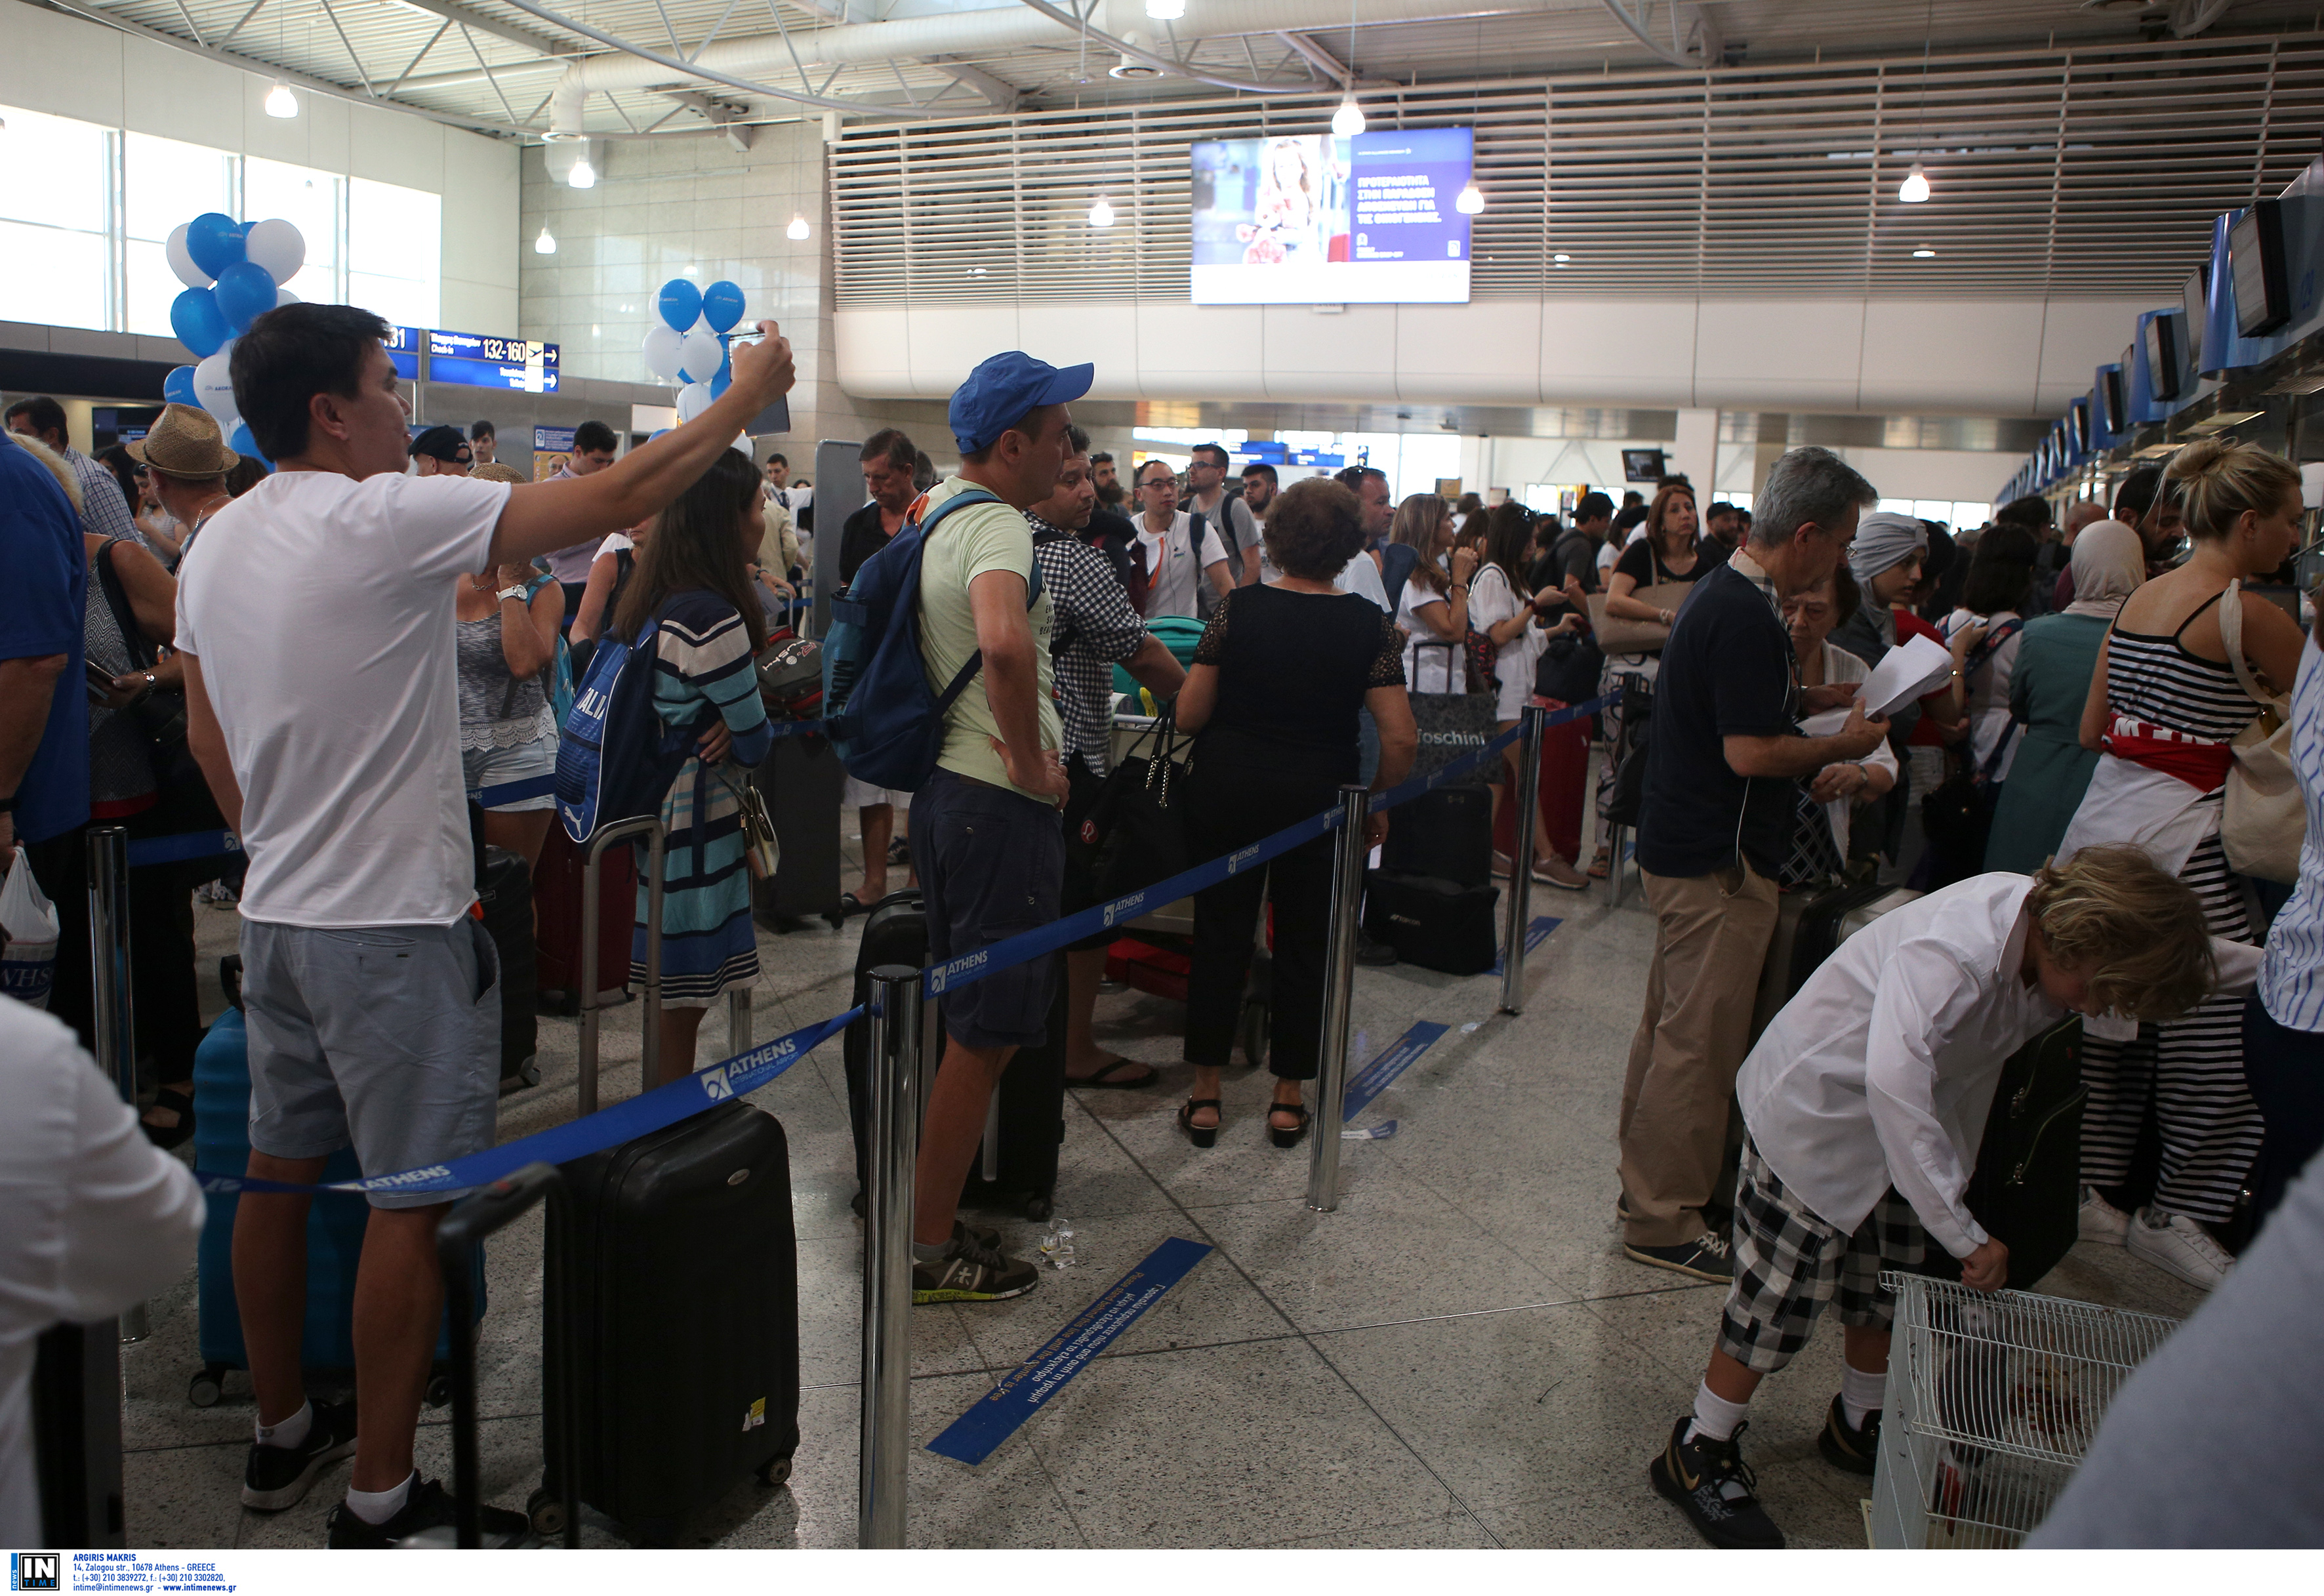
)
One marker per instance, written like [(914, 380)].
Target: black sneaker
[(277, 1477), (1846, 1447), (990, 1239), (1706, 1258), (1713, 1486), (971, 1272), (428, 1507)]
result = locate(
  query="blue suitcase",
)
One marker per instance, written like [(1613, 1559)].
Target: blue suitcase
[(335, 1226)]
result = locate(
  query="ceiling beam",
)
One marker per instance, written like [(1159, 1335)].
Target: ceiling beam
[(477, 22), (998, 92), (1319, 58)]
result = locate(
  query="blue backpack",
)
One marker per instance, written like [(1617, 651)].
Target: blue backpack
[(616, 760), (878, 708)]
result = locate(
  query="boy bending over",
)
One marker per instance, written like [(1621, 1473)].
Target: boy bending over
[(1863, 1104)]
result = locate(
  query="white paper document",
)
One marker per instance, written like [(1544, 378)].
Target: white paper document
[(1921, 665)]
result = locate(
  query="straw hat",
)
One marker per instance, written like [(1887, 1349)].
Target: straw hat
[(185, 442)]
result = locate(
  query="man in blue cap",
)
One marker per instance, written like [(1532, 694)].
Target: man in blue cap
[(985, 834)]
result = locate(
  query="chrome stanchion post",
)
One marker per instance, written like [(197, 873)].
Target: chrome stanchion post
[(1339, 989), (738, 1020), (115, 1025), (1528, 801), (894, 1046)]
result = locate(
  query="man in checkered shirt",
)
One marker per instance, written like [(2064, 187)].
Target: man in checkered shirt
[(1865, 1103), (1094, 628)]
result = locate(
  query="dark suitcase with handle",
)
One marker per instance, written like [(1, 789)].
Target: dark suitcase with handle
[(802, 782), (556, 894), (1447, 834), (505, 890), (677, 1262)]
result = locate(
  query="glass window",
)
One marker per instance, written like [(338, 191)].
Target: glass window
[(1898, 506), (1970, 513), (397, 236), (56, 172), (310, 201), (53, 276), (163, 184)]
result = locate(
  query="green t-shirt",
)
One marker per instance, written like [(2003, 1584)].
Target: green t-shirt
[(968, 543)]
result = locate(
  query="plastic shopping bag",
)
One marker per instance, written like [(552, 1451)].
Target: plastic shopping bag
[(28, 963)]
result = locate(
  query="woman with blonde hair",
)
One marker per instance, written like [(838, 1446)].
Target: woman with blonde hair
[(1433, 607), (2178, 677)]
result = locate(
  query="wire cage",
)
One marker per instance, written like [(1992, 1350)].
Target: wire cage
[(1992, 1401)]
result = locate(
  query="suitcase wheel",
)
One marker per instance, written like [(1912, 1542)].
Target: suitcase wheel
[(835, 917), (439, 1389), (1252, 1030), (546, 1509), (207, 1386), (1039, 1205), (772, 1472)]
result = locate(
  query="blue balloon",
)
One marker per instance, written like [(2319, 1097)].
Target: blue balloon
[(178, 387), (244, 293), (680, 304), (241, 443), (722, 305), (725, 378), (665, 432), (214, 240), (201, 326)]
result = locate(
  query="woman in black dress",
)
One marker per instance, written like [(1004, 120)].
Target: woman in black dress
[(1272, 697)]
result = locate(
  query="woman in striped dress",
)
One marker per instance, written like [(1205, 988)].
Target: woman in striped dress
[(694, 579), (2165, 702)]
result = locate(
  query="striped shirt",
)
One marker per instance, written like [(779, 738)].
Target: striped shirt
[(2291, 981), (702, 652)]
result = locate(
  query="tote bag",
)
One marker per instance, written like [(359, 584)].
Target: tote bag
[(1451, 725), (2263, 821)]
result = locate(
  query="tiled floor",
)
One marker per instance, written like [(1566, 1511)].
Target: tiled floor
[(1458, 1357)]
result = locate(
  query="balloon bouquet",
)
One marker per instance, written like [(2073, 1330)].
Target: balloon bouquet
[(689, 346), (234, 273)]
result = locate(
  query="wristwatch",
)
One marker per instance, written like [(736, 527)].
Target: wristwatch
[(507, 593)]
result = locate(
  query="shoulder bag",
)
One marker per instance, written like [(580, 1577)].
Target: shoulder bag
[(1617, 635), (2263, 819)]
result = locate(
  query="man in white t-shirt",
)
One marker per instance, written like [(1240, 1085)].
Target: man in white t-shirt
[(370, 988), (1207, 497), (1167, 551)]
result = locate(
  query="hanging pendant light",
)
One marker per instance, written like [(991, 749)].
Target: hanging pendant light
[(1470, 201), (799, 228), (1100, 214), (1914, 189), (544, 245), (583, 175), (280, 101), (1348, 121)]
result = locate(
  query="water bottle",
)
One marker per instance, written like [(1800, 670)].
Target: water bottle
[(1057, 1244)]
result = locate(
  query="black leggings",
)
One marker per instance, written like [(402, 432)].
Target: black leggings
[(1229, 808)]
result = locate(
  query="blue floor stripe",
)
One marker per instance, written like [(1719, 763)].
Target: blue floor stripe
[(1376, 1076), (1003, 1410), (1537, 934)]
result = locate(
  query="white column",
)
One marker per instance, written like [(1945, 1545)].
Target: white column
[(1696, 454)]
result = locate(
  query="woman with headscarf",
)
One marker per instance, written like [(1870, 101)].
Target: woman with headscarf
[(2047, 692)]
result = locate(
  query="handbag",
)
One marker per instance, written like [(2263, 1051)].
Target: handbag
[(2262, 820), (1135, 830), (760, 850), (2025, 1187), (1451, 725), (1617, 635)]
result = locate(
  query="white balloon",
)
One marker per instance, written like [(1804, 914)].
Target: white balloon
[(661, 351), (283, 296), (214, 387), (182, 264), (692, 400), (700, 355), (277, 246)]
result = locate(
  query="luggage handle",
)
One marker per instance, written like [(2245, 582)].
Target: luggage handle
[(648, 826), (484, 1212)]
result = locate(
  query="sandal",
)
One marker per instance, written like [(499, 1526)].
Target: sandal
[(1200, 1135), (166, 1137), (1293, 1137), (1601, 867), (1104, 1078)]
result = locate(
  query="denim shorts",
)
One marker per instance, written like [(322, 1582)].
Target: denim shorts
[(497, 767), (386, 1038), (992, 863)]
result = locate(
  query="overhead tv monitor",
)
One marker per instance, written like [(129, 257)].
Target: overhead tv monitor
[(2255, 258), (1315, 219), (2162, 345), (2078, 427), (2113, 407), (1645, 464), (110, 424), (2195, 296)]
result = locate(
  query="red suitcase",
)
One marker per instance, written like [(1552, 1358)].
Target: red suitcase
[(556, 900), (1564, 787)]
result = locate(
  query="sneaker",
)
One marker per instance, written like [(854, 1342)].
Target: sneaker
[(1376, 955), (1713, 1486), (277, 1477), (2101, 1220), (428, 1507), (1844, 1446), (218, 895), (971, 1272), (2179, 1247), (990, 1239), (1706, 1258)]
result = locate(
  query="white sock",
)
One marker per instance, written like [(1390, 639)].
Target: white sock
[(291, 1432), (1714, 1415), (377, 1507), (1861, 1392), (923, 1254)]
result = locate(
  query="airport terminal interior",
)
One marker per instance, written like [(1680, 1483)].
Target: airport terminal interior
[(2001, 280)]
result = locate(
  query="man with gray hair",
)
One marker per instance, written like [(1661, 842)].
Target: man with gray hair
[(1722, 762)]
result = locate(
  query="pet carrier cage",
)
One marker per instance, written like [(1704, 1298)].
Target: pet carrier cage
[(1993, 1400)]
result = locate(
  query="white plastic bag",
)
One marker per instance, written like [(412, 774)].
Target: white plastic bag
[(28, 963)]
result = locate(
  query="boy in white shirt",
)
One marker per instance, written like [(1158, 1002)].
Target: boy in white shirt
[(1864, 1104)]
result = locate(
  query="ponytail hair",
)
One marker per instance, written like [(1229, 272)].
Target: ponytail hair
[(2217, 479)]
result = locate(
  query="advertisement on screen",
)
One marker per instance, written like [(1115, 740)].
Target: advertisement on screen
[(1315, 219)]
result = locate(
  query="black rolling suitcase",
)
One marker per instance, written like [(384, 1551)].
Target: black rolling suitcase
[(1029, 1116), (1807, 928), (1447, 835), (801, 780), (505, 889), (677, 1263)]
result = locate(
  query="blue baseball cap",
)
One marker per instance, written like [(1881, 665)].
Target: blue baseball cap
[(1004, 389)]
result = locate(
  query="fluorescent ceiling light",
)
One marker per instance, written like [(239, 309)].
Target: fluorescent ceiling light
[(1166, 11), (1924, 255)]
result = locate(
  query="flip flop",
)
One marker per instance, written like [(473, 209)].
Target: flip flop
[(1103, 1078), (166, 1137)]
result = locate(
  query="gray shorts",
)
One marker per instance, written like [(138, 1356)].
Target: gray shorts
[(385, 1038)]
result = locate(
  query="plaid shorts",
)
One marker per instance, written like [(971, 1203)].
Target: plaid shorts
[(1789, 1264)]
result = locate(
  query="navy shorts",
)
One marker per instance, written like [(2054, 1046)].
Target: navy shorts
[(992, 863)]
